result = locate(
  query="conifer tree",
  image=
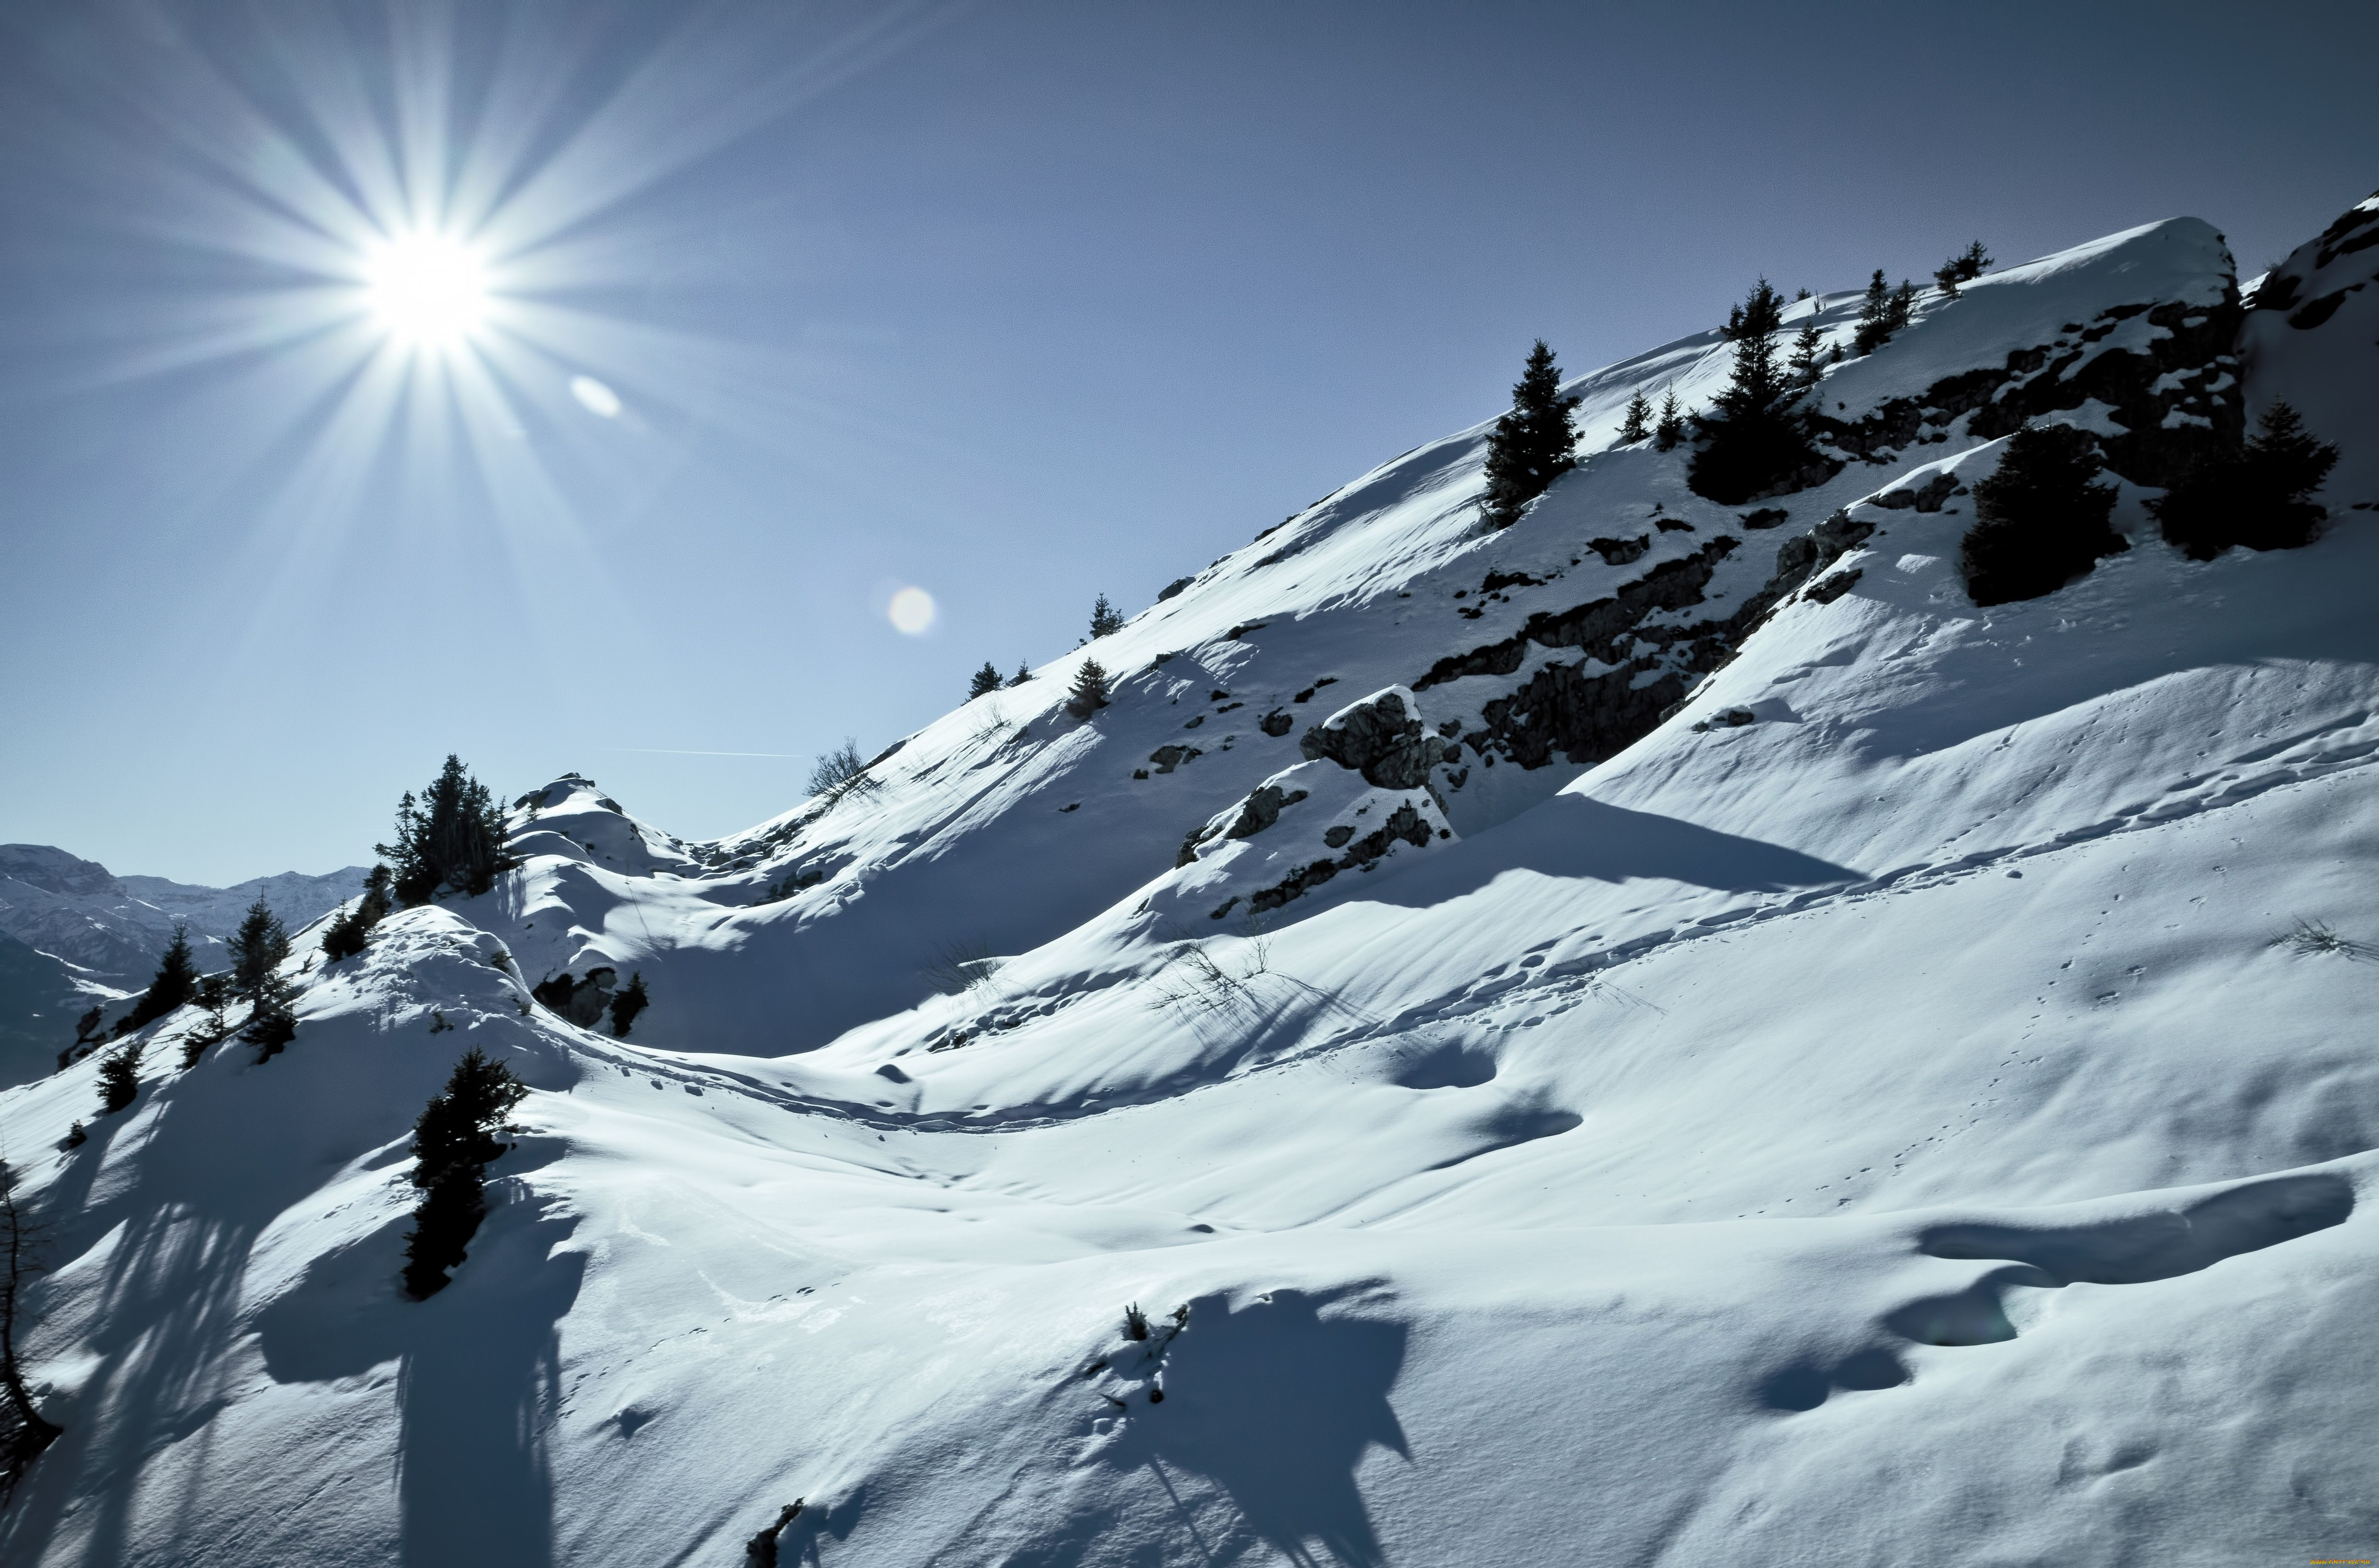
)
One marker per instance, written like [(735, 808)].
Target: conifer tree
[(1023, 673), (1808, 355), (1638, 425), (1963, 268), (1532, 445), (270, 1023), (2040, 520), (1670, 431), (454, 1141), (2257, 494), (1089, 691), (1901, 306), (630, 1001), (119, 1079), (345, 937), (1755, 436), (257, 950), (985, 680), (1873, 312), (452, 838), (1104, 619), (176, 982)]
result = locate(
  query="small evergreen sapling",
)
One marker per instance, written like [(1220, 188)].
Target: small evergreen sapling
[(2040, 520), (1638, 424), (1808, 359), (176, 982), (270, 1023), (454, 1141), (346, 935), (1883, 312), (119, 1079), (1670, 431), (1532, 445), (985, 680), (2257, 494), (1105, 618), (257, 950), (1962, 268), (628, 1003), (1023, 673), (1090, 692)]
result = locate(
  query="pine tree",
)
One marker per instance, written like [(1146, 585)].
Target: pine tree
[(1873, 310), (2040, 522), (1756, 438), (1637, 425), (1972, 263), (985, 680), (2257, 494), (345, 937), (454, 1141), (1023, 673), (1901, 306), (1104, 620), (257, 950), (270, 1023), (1090, 692), (176, 982), (452, 838), (628, 1003), (1808, 355), (119, 1079), (1532, 445), (1670, 431)]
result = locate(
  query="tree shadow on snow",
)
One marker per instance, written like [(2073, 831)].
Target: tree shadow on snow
[(1577, 835), (1274, 1405), (479, 1379)]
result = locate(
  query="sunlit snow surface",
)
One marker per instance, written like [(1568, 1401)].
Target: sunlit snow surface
[(1892, 1130)]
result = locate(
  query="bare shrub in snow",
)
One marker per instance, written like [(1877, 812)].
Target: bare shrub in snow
[(842, 771), (960, 966), (2315, 937), (24, 1431)]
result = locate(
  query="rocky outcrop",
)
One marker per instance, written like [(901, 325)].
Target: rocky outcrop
[(2167, 391), (582, 1001), (1381, 738)]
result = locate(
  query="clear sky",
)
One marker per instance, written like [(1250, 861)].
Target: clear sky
[(574, 385)]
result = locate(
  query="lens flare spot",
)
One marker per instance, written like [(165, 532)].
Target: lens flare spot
[(595, 397), (912, 611), (426, 288)]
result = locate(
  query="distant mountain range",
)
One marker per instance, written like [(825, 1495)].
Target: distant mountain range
[(73, 933)]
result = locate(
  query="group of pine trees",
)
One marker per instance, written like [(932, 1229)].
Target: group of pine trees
[(2041, 519), (1105, 621), (452, 838)]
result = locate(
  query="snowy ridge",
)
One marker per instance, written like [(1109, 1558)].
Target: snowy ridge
[(1817, 1069)]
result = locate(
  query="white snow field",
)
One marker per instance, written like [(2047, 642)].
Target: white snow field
[(1915, 1102)]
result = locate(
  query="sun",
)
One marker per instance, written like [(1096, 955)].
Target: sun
[(426, 290)]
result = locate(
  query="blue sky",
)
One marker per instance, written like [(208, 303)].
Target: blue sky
[(1016, 304)]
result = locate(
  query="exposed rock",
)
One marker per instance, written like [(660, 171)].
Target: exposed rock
[(1262, 809), (1621, 553), (581, 1002), (1835, 587), (1167, 758), (1381, 738), (1798, 559), (1279, 721), (1928, 497), (1403, 826)]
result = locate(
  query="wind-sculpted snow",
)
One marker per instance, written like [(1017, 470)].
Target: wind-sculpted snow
[(1899, 1092)]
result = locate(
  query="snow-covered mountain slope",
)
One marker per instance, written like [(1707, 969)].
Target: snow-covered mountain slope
[(95, 937), (1914, 1100), (1544, 648)]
